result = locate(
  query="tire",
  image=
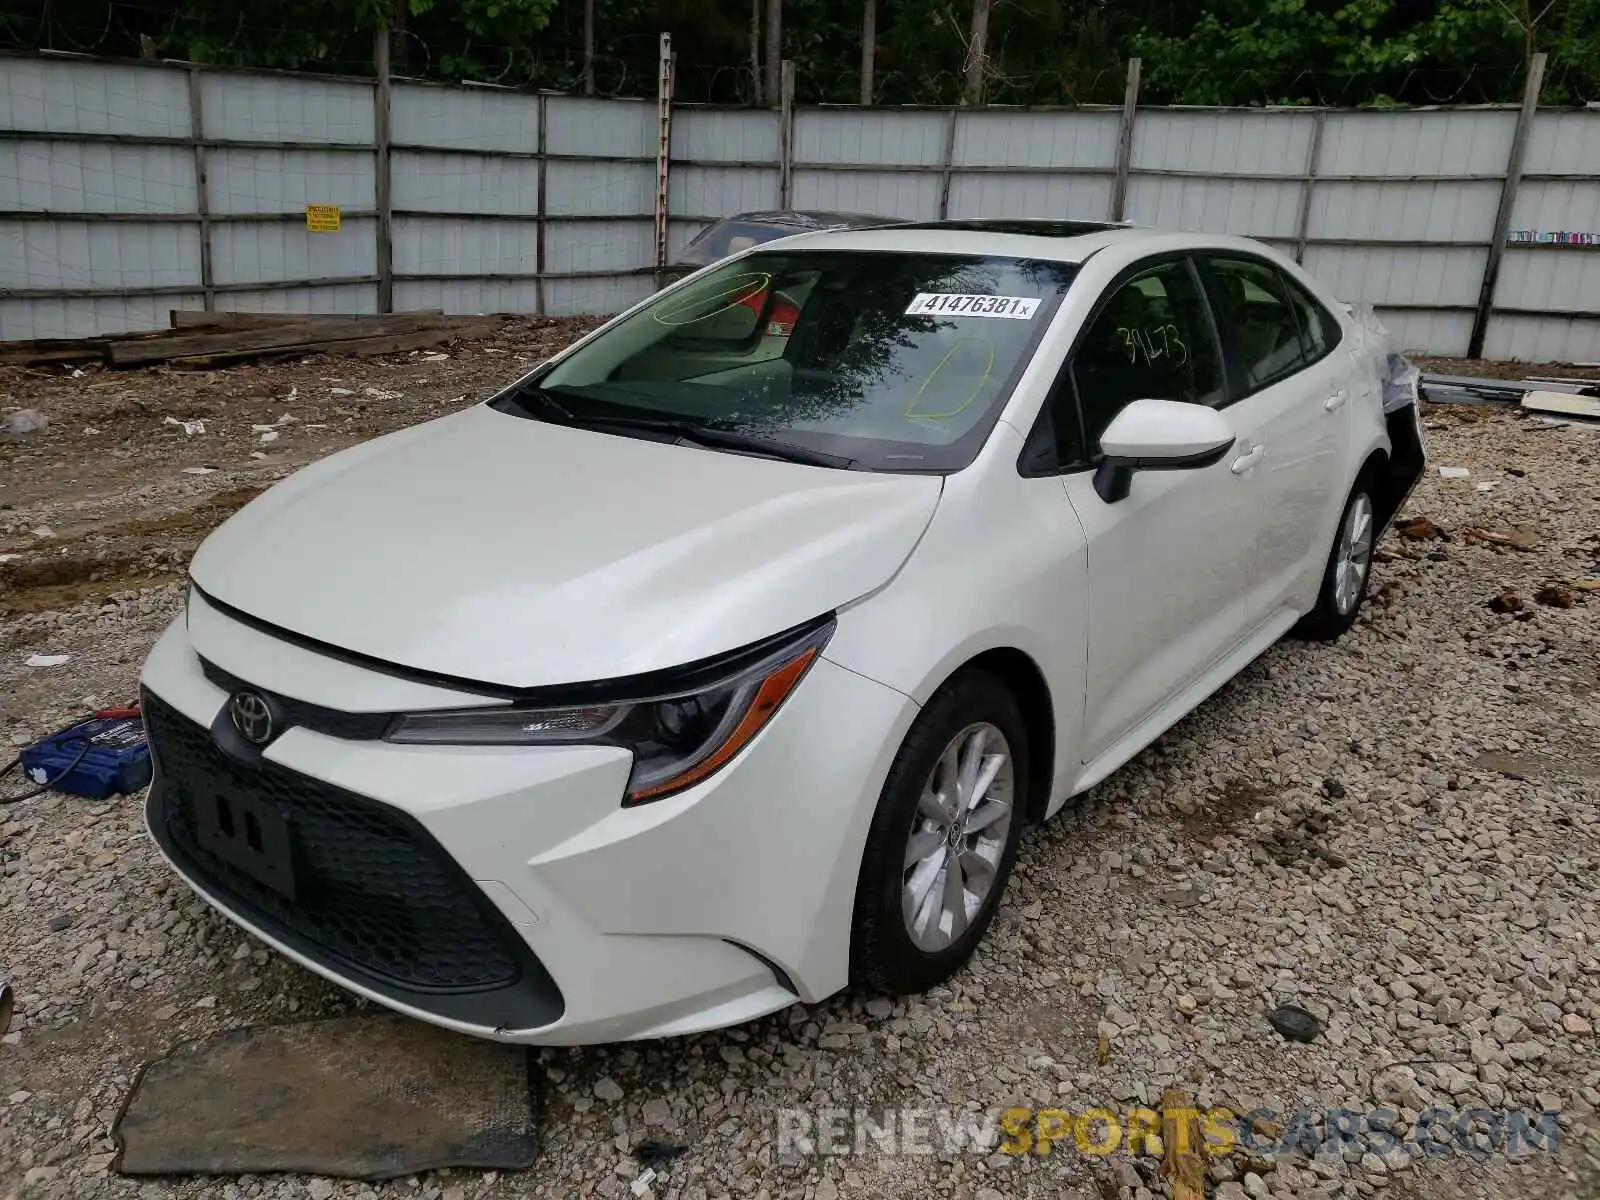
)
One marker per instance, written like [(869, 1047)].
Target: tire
[(1340, 597), (972, 715)]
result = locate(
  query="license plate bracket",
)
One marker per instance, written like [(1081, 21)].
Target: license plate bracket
[(252, 836)]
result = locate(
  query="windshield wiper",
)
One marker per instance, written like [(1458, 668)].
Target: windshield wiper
[(710, 437), (729, 439), (542, 400)]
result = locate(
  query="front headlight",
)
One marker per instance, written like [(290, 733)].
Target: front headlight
[(678, 738)]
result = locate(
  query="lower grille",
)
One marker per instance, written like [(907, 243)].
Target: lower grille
[(374, 896)]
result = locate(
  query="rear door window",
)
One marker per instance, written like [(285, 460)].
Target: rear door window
[(1260, 332), (1319, 331)]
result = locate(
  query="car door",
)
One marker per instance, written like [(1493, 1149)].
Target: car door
[(1168, 565), (1289, 387)]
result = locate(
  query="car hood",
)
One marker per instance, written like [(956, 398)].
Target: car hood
[(509, 551)]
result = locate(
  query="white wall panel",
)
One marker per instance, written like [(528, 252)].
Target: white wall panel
[(887, 136), (1544, 339), (1445, 334), (266, 108), (1461, 142), (79, 254), (1564, 143), (447, 246), (21, 319), (582, 189), (1557, 280), (1558, 206), (585, 297), (1435, 212), (96, 177), (46, 96), (1063, 197), (464, 118), (573, 247), (603, 128), (722, 191), (996, 138), (719, 135), (269, 251), (1215, 205), (283, 181), (342, 298), (470, 297), (1259, 143), (1396, 275), (464, 183), (887, 194), (604, 207)]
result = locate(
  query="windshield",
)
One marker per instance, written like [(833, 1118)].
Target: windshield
[(887, 361)]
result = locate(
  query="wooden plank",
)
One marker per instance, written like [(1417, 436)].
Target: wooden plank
[(1508, 201), (383, 180), (184, 318), (1563, 403), (1130, 108), (46, 351), (369, 347), (1181, 1145), (306, 333)]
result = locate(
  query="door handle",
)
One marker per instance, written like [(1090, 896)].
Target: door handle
[(1245, 462), (1336, 401)]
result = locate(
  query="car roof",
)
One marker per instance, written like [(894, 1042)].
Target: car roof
[(803, 218), (1051, 240)]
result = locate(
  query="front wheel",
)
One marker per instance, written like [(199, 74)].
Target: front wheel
[(943, 839), (1344, 580)]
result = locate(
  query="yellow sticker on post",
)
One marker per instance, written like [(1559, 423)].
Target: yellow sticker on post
[(322, 218)]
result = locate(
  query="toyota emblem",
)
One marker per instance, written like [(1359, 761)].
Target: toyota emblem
[(252, 717)]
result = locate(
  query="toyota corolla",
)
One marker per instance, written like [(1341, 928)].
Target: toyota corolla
[(723, 660)]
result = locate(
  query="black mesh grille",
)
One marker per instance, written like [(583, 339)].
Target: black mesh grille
[(373, 890)]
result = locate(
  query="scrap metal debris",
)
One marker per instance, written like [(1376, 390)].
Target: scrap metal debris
[(1555, 595), (1565, 403), (1420, 529), (1506, 602), (1517, 539), (25, 420), (1474, 390)]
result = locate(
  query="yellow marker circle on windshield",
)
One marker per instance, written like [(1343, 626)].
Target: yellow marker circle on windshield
[(984, 345), (730, 293)]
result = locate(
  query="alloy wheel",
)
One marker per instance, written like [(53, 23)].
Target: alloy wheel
[(958, 836), (1355, 555)]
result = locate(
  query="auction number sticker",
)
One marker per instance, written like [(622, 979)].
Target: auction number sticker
[(954, 304)]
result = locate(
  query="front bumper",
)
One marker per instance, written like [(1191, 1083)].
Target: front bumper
[(504, 892)]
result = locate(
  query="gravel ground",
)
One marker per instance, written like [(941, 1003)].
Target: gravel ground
[(1398, 832)]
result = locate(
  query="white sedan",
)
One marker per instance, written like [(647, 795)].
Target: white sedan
[(722, 661)]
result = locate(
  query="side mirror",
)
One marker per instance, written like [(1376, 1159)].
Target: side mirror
[(1159, 435)]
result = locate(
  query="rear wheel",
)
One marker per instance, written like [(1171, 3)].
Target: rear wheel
[(1344, 580), (944, 838)]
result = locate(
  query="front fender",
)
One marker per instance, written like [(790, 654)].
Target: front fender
[(1002, 565)]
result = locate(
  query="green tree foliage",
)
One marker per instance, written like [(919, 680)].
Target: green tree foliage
[(1382, 52)]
